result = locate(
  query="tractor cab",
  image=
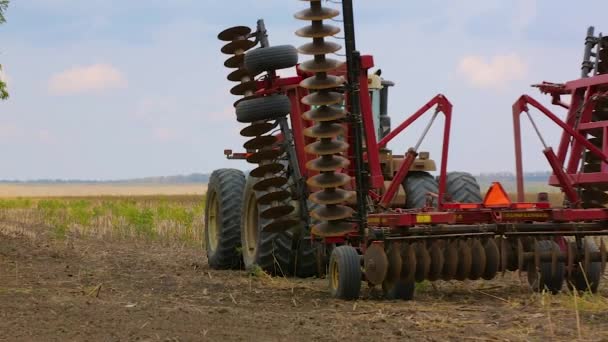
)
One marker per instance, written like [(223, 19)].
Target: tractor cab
[(378, 93)]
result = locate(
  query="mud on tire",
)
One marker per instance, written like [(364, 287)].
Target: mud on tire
[(223, 218)]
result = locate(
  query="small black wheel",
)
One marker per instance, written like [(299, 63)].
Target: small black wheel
[(463, 188), (399, 290), (588, 280), (223, 218), (544, 278), (271, 58), (417, 185), (345, 273), (263, 108)]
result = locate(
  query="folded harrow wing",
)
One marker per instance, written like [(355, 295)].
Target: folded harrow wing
[(327, 197)]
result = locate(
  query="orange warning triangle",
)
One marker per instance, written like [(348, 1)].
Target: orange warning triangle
[(496, 196)]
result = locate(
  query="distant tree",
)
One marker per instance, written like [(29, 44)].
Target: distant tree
[(3, 7)]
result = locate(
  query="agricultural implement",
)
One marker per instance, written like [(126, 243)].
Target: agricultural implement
[(327, 197)]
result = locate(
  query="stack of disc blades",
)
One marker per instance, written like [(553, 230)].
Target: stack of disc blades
[(326, 113)]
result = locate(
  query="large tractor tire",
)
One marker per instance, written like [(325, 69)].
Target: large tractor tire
[(272, 252), (462, 187), (271, 58), (588, 280), (417, 185), (223, 218), (544, 278), (263, 108), (269, 251)]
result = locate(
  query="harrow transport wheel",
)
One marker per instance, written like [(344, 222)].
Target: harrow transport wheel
[(271, 58), (345, 273), (544, 278), (417, 185), (263, 108), (463, 188), (223, 218), (272, 252), (589, 279)]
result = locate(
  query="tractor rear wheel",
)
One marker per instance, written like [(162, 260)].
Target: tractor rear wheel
[(223, 218), (544, 277), (271, 58), (588, 280), (269, 251), (273, 252), (417, 185), (345, 273), (463, 187)]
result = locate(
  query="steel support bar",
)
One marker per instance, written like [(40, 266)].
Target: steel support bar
[(564, 179), (405, 167)]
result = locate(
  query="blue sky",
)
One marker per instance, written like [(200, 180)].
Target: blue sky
[(116, 89)]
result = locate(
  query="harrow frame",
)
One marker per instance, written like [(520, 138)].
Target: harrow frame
[(375, 224)]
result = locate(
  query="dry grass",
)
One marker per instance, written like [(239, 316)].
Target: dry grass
[(81, 190), (166, 218)]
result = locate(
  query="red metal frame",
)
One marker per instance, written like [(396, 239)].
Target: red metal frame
[(476, 217)]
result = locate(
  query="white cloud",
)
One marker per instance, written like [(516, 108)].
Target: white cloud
[(83, 79), (494, 72)]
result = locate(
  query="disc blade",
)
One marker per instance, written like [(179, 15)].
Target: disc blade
[(375, 263), (320, 66), (318, 31), (317, 83), (319, 48), (260, 142), (328, 180), (274, 196), (437, 261), (423, 261), (450, 266), (331, 196), (408, 263), (333, 229), (257, 129), (270, 182), (464, 261), (327, 164), (315, 14), (323, 97), (325, 113), (394, 263), (264, 155), (238, 46), (332, 213), (234, 33), (492, 260), (267, 169), (278, 211), (324, 147), (478, 260), (324, 130)]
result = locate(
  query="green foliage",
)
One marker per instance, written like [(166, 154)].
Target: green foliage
[(3, 8), (174, 218)]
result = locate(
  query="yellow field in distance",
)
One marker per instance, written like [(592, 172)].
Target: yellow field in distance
[(85, 190)]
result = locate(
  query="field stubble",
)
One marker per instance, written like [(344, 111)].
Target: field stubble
[(126, 268)]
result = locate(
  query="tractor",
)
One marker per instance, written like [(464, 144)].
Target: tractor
[(326, 197)]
